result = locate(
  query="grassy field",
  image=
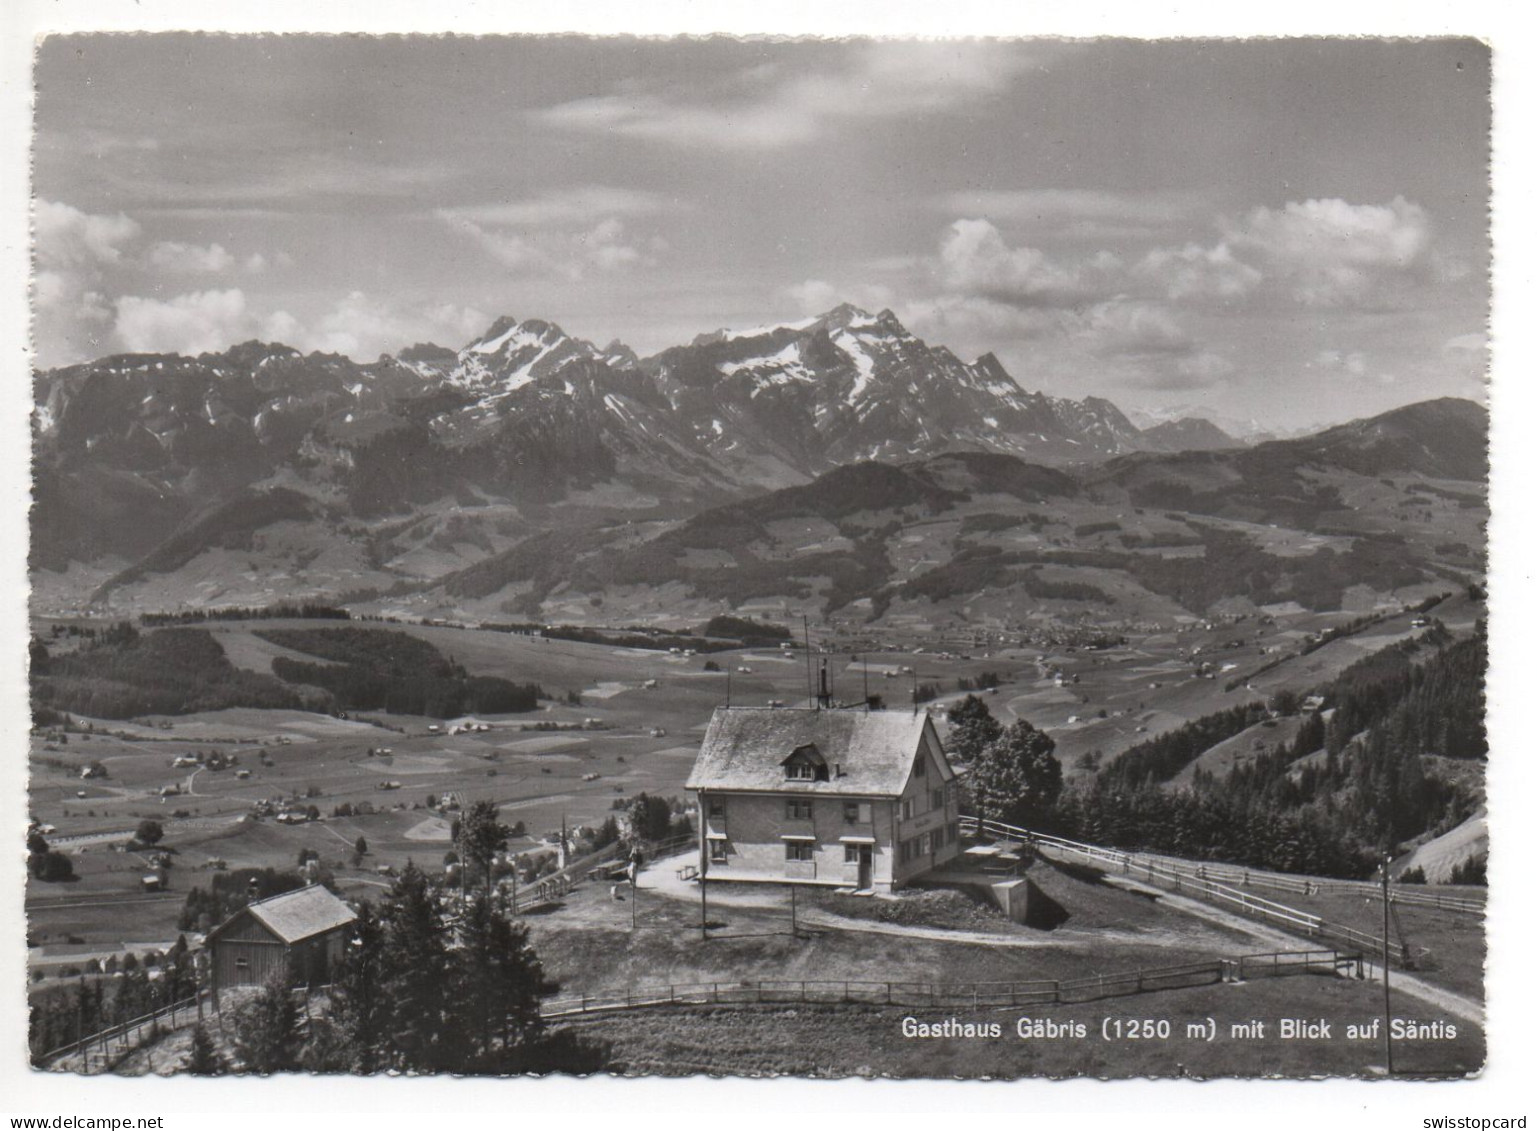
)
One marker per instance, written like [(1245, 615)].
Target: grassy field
[(1449, 948), (637, 728)]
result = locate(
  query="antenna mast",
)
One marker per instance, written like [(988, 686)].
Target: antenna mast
[(811, 690)]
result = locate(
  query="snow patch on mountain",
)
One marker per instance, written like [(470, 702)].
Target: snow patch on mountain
[(850, 344), (765, 331)]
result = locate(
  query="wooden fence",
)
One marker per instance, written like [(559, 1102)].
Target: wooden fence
[(100, 1050), (551, 888), (971, 995), (1468, 902), (1187, 879)]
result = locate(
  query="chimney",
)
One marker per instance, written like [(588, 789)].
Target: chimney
[(824, 696)]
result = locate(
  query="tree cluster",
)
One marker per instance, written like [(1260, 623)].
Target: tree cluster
[(229, 892), (381, 669), (1329, 802), (413, 994), (173, 671)]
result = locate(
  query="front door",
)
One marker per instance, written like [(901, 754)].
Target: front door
[(866, 867)]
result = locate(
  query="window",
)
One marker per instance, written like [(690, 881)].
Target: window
[(717, 852), (907, 808), (850, 812), (802, 850), (937, 799), (921, 766), (242, 964), (923, 844), (798, 810), (851, 854), (717, 809), (805, 763), (955, 831)]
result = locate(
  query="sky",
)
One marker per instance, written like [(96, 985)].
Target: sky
[(1292, 232)]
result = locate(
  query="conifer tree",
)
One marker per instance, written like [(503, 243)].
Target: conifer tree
[(204, 1059)]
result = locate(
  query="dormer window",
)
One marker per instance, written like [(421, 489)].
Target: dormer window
[(805, 763)]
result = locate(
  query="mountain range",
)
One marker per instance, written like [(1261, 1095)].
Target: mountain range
[(166, 481)]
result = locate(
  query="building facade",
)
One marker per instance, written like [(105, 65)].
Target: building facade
[(863, 800), (299, 934)]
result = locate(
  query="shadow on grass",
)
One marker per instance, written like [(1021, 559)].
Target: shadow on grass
[(539, 909)]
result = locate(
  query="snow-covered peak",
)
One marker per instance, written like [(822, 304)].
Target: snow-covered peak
[(508, 336), (512, 354)]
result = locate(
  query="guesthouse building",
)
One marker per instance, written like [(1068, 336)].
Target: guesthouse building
[(854, 799)]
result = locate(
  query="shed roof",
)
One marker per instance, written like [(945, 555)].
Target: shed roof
[(298, 915), (745, 749)]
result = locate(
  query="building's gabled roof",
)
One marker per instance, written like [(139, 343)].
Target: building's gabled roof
[(296, 915), (868, 752)]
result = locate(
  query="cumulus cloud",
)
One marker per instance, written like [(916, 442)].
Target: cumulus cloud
[(1193, 272), (458, 324), (76, 253), (190, 259), (763, 108), (192, 323), (1331, 252), (68, 237), (1135, 329), (975, 260)]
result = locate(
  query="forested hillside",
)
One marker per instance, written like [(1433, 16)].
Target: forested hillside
[(172, 671), (377, 669), (1331, 802)]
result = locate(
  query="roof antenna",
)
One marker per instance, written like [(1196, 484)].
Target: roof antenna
[(824, 689), (915, 691), (810, 686)]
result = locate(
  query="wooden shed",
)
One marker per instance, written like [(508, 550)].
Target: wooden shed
[(303, 931)]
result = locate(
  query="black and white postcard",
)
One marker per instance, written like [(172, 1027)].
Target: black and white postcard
[(747, 556)]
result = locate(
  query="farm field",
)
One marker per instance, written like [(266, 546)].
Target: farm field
[(635, 729)]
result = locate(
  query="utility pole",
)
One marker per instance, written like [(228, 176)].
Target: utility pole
[(795, 928), (704, 910), (1387, 996)]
